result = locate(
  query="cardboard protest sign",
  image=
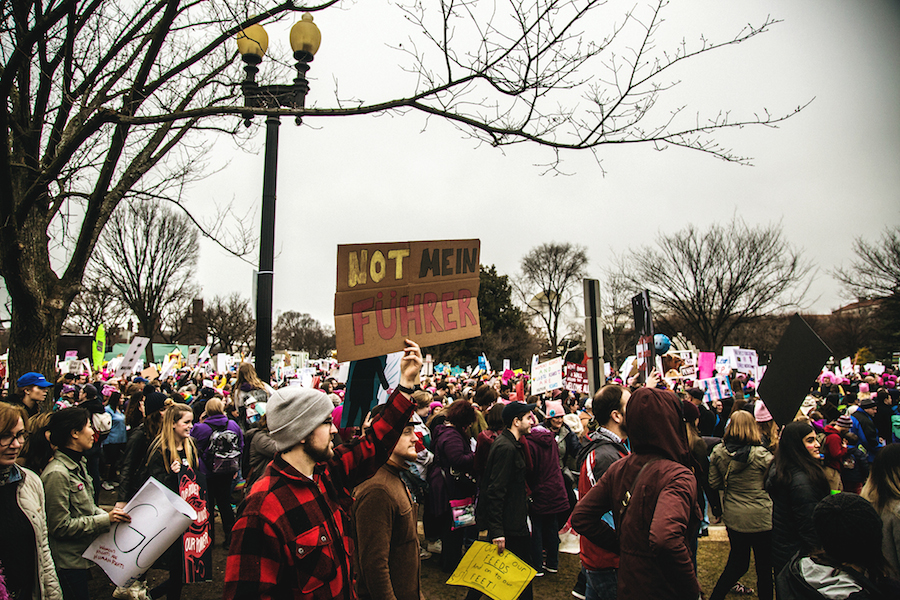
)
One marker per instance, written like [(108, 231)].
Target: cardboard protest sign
[(425, 291), (127, 550), (547, 376), (135, 350), (643, 327), (576, 378), (796, 363), (499, 576)]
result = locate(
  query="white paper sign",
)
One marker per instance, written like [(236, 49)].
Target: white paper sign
[(221, 363), (135, 349), (846, 366), (547, 376), (158, 517), (168, 367), (744, 360), (875, 367), (723, 364)]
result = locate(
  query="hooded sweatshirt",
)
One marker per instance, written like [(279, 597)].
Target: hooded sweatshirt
[(548, 491), (652, 531)]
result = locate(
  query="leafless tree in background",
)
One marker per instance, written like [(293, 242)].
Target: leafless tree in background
[(230, 323), (97, 303), (711, 282), (875, 271), (299, 331), (551, 274), (148, 254)]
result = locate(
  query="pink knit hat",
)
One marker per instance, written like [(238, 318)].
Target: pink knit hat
[(554, 408), (761, 413)]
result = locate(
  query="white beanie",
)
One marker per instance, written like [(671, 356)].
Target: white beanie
[(294, 412)]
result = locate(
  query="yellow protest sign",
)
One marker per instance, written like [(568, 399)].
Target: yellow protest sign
[(500, 576)]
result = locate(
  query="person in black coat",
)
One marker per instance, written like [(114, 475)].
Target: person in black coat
[(796, 483), (850, 563)]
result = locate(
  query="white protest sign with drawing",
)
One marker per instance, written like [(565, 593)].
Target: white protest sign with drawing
[(135, 349), (547, 376), (158, 518), (716, 388)]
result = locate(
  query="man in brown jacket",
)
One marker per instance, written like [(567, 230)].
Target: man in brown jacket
[(387, 548)]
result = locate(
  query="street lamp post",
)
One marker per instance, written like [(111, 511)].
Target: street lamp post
[(252, 44)]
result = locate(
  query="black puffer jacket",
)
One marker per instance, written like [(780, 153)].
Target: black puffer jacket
[(792, 516), (133, 472)]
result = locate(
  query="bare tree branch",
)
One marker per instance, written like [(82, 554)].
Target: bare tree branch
[(711, 282)]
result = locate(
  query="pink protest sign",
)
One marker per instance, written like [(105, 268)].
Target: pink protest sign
[(705, 364)]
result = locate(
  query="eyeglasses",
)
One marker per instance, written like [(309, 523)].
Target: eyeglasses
[(7, 439)]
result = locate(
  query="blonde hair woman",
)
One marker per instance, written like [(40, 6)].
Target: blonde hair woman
[(248, 390), (882, 489), (738, 466), (173, 462)]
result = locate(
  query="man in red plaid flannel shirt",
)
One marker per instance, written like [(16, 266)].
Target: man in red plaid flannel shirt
[(292, 539)]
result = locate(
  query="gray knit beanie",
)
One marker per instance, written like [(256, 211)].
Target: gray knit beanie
[(293, 412)]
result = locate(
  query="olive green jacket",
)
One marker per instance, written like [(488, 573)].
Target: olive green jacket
[(746, 506), (73, 520)]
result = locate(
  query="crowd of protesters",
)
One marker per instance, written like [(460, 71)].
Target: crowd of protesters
[(312, 509)]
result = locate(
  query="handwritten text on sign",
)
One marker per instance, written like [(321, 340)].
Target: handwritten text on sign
[(427, 291), (500, 576)]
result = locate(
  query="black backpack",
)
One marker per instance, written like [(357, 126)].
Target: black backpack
[(224, 454)]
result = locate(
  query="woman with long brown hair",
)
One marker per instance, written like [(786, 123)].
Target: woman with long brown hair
[(796, 482)]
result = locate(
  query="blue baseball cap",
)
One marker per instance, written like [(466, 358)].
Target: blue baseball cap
[(33, 379)]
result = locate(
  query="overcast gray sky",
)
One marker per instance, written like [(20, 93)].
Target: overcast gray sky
[(828, 175)]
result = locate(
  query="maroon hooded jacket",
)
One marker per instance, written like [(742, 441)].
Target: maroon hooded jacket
[(652, 533), (545, 479)]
